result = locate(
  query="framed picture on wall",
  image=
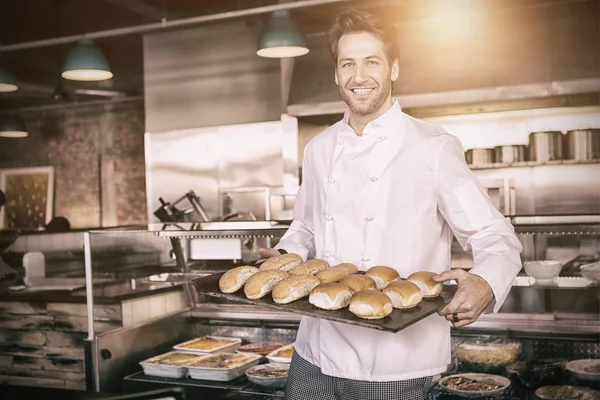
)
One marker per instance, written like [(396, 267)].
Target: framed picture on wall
[(29, 197)]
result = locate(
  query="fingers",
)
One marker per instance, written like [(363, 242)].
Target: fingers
[(452, 275), (266, 253)]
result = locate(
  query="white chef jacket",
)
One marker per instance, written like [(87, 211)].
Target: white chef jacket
[(393, 196)]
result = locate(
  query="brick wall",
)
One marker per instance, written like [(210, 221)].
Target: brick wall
[(74, 140)]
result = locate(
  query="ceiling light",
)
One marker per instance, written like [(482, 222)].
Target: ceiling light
[(8, 83), (86, 63), (281, 38), (11, 126)]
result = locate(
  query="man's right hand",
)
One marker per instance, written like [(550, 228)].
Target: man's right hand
[(268, 253)]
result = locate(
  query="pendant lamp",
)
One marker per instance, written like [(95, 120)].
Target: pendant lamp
[(281, 38), (11, 126), (8, 83), (86, 63)]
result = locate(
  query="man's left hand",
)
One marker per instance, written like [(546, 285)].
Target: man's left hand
[(473, 295)]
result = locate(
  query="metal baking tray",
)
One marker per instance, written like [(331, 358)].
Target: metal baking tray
[(396, 321)]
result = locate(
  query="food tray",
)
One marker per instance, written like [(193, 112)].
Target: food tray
[(262, 348), (233, 344), (396, 321), (269, 375), (225, 373), (274, 356), (169, 365), (501, 381)]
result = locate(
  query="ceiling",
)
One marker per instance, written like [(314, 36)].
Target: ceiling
[(38, 69)]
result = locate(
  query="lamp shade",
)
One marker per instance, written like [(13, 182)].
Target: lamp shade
[(281, 38), (86, 63), (8, 83), (11, 126)]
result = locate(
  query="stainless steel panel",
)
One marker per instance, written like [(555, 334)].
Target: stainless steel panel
[(551, 189), (545, 146), (582, 144)]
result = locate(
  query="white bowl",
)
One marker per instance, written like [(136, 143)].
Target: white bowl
[(591, 271), (543, 271)]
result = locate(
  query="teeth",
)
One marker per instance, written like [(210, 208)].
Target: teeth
[(362, 91)]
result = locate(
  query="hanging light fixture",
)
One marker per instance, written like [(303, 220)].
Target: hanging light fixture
[(86, 63), (281, 38), (8, 83), (11, 126)]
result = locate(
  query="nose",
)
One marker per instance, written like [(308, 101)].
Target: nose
[(360, 74)]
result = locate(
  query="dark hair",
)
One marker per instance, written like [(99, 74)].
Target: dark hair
[(2, 198), (361, 21)]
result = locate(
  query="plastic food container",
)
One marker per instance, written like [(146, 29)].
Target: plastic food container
[(210, 344), (269, 375), (169, 365), (222, 367), (282, 355), (535, 373), (585, 370), (262, 348), (475, 385), (489, 355)]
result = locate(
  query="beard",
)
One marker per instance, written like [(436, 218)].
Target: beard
[(371, 103)]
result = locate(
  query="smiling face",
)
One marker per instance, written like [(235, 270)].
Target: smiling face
[(364, 74)]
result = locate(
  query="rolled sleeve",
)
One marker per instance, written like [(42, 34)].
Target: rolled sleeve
[(476, 223)]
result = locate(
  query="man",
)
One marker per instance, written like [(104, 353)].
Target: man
[(382, 188)]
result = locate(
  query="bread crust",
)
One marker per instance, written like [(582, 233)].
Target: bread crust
[(423, 279), (284, 262), (235, 278), (310, 267), (358, 282), (404, 294), (330, 296), (261, 283), (337, 272), (370, 304), (293, 288), (382, 275)]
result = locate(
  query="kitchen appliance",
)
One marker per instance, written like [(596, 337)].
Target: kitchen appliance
[(545, 146), (479, 157), (509, 154), (582, 144), (168, 212)]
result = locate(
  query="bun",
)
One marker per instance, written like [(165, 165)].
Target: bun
[(311, 267), (294, 288), (337, 272), (330, 296), (370, 304), (423, 279), (382, 275), (358, 282), (262, 282), (284, 262), (235, 278), (403, 294)]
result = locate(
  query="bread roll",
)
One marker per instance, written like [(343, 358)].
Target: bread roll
[(404, 294), (311, 267), (294, 288), (370, 304), (235, 278), (358, 282), (330, 296), (423, 279), (262, 282), (337, 272), (284, 262), (382, 275)]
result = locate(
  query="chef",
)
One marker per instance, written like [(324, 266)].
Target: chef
[(382, 188)]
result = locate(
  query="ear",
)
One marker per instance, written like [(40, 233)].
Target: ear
[(395, 70), (335, 77)]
